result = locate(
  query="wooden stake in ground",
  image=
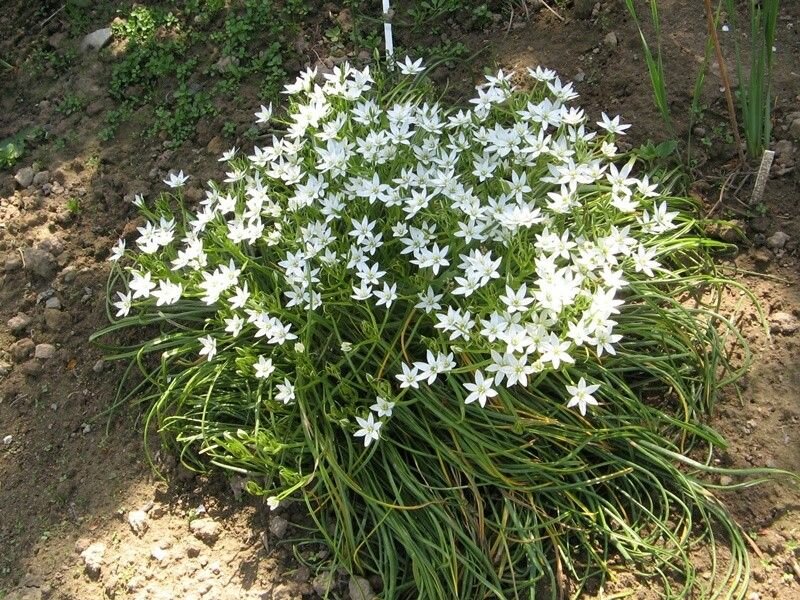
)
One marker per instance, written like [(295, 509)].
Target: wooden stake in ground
[(723, 71)]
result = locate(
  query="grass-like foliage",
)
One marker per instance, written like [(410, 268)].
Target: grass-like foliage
[(478, 343)]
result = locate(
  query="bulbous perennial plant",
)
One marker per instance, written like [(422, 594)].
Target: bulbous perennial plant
[(473, 340)]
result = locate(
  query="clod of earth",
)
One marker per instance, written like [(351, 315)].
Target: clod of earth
[(22, 349), (206, 530), (40, 263)]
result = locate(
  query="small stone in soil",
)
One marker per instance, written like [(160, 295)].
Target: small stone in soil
[(278, 526), (611, 40), (24, 177), (7, 440), (783, 322), (777, 240), (135, 583), (762, 259), (41, 178), (53, 302), (158, 554), (96, 39), (360, 589), (93, 559), (19, 323), (323, 583), (137, 519), (44, 351), (99, 366), (39, 263)]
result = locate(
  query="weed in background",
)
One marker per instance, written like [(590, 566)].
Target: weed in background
[(754, 89), (655, 63), (11, 150), (754, 84)]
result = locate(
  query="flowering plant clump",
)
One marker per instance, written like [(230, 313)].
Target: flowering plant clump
[(460, 335)]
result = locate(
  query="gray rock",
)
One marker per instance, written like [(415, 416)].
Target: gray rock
[(22, 349), (206, 530), (96, 40), (44, 351), (24, 177), (783, 323), (93, 559), (19, 323), (41, 178), (360, 589), (99, 366), (5, 368), (53, 302), (777, 240), (278, 526), (611, 40), (40, 263)]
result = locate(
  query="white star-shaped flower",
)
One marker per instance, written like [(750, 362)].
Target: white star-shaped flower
[(370, 429)]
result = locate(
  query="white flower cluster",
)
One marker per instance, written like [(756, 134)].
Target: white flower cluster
[(505, 227)]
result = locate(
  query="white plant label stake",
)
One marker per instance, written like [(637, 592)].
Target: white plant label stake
[(761, 178), (387, 31)]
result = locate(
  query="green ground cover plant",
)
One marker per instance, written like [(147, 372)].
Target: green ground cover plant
[(169, 47), (11, 150), (478, 343)]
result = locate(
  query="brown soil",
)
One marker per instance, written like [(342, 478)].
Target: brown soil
[(71, 471)]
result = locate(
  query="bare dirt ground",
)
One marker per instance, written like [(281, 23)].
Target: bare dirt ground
[(82, 513)]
